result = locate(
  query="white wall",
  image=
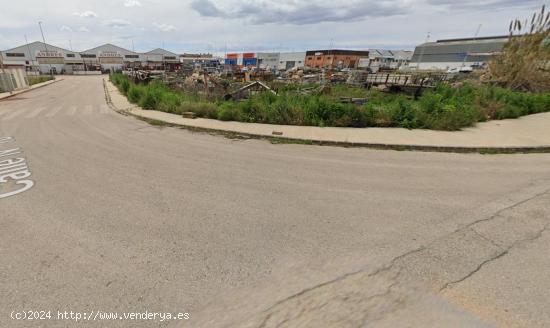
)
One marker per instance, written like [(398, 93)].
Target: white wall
[(439, 65), (14, 79), (269, 60), (298, 58)]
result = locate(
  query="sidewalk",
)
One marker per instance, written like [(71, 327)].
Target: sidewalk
[(527, 134), (5, 95)]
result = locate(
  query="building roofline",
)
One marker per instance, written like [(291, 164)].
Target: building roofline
[(108, 44), (40, 42), (474, 39)]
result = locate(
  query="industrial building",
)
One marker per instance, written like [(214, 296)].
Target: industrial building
[(290, 60), (160, 59), (266, 60), (109, 57), (41, 57), (45, 58), (247, 59), (334, 58), (455, 53), (386, 59)]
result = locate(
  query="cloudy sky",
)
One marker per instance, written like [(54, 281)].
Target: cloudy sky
[(254, 25)]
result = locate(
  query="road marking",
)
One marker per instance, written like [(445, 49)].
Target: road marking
[(35, 112), (54, 111), (13, 171)]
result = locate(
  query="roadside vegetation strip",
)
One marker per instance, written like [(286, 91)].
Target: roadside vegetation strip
[(286, 140), (39, 79), (32, 87), (445, 108)]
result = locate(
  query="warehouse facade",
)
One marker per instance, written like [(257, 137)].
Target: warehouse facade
[(455, 53), (290, 60), (44, 58), (41, 57), (334, 58)]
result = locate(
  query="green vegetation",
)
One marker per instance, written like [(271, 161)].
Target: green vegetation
[(39, 79), (524, 63), (445, 108)]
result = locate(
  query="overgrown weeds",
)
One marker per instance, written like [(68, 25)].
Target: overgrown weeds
[(524, 63), (444, 108), (39, 79)]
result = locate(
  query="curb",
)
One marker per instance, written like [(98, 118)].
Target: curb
[(378, 146), (38, 86)]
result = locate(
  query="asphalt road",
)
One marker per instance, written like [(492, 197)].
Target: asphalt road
[(124, 216)]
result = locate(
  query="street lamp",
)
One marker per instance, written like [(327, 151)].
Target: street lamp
[(45, 46)]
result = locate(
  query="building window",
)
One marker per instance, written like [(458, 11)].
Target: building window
[(169, 57), (309, 58), (299, 62), (87, 55), (319, 58), (70, 55), (328, 58), (15, 54), (131, 56)]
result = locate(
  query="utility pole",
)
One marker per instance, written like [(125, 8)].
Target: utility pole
[(422, 52), (45, 46), (470, 46), (29, 50)]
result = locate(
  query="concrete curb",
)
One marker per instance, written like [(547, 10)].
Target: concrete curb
[(34, 87), (379, 146)]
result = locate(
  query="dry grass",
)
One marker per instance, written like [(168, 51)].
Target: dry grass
[(524, 64)]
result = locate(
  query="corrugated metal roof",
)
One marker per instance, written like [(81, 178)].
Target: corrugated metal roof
[(476, 50)]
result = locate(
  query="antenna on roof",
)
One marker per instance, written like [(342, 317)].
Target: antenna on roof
[(422, 52), (470, 46), (29, 50), (45, 46)]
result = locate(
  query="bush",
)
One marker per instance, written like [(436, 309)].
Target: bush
[(135, 92), (201, 109), (229, 112), (444, 108), (124, 86), (39, 79)]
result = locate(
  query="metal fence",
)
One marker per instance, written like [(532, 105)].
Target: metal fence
[(7, 82)]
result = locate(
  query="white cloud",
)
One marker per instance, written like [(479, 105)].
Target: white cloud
[(86, 14), (132, 3), (66, 28), (301, 12), (279, 25), (164, 27), (117, 23)]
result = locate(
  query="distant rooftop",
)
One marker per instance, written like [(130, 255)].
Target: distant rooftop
[(474, 39)]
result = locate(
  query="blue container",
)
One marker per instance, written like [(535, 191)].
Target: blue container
[(230, 61), (250, 61)]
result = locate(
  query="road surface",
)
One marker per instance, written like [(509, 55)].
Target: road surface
[(123, 216)]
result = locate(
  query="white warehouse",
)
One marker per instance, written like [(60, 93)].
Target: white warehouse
[(45, 58)]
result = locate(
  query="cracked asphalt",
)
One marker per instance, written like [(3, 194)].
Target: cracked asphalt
[(125, 216)]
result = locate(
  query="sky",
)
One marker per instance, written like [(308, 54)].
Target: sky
[(189, 26)]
